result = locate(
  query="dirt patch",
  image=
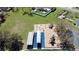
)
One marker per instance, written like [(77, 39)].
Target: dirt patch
[(18, 27)]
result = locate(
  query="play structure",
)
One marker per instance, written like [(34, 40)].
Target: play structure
[(42, 36)]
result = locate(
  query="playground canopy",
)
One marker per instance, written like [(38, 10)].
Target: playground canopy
[(30, 40)]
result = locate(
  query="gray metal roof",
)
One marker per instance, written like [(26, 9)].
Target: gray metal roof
[(30, 38), (38, 37)]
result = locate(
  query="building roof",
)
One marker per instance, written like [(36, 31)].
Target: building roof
[(38, 37), (30, 38)]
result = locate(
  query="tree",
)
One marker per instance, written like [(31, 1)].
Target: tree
[(10, 42), (66, 45), (53, 9), (27, 11), (30, 12), (61, 29), (65, 34), (14, 9), (2, 18), (52, 42)]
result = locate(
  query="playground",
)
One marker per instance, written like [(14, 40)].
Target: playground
[(44, 37)]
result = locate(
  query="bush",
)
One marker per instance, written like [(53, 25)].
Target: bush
[(53, 9)]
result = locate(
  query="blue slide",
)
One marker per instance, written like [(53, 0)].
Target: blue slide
[(35, 40), (42, 40)]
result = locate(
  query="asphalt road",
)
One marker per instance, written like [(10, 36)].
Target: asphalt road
[(71, 9)]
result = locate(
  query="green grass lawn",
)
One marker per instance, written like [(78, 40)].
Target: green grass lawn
[(22, 24)]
